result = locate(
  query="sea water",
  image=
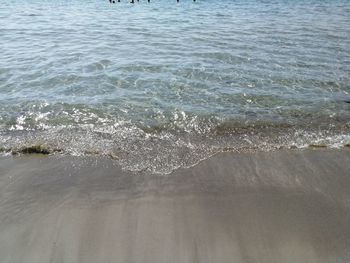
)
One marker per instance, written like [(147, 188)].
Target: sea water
[(162, 85)]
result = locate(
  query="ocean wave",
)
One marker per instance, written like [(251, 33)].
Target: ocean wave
[(162, 151)]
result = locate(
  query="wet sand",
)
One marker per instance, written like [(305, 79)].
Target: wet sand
[(284, 206)]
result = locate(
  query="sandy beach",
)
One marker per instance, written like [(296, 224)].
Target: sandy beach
[(174, 131), (284, 206)]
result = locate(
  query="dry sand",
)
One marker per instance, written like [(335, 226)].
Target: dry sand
[(284, 206)]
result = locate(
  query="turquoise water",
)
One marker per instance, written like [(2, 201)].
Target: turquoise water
[(163, 85)]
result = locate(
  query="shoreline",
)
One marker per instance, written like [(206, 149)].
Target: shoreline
[(282, 206), (163, 151)]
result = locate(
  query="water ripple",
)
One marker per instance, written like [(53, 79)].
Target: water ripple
[(162, 85)]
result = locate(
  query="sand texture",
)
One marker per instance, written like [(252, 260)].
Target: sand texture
[(284, 206)]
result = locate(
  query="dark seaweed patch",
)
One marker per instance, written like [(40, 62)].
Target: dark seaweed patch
[(318, 146), (35, 149)]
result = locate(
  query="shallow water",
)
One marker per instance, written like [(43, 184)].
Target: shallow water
[(163, 85)]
